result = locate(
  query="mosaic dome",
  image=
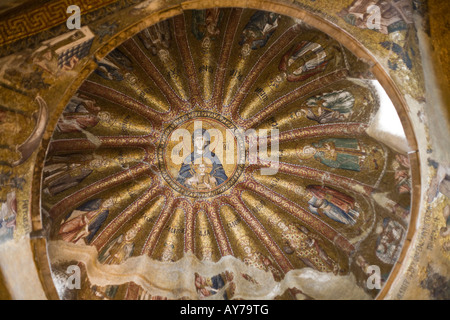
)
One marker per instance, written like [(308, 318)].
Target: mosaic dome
[(225, 154)]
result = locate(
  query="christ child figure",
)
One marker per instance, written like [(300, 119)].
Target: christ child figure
[(202, 178)]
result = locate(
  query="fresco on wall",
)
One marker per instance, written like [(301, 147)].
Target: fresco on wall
[(146, 160), (393, 17), (198, 163)]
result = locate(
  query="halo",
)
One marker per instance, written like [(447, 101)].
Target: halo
[(303, 154), (112, 199)]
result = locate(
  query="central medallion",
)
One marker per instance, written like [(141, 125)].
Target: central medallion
[(201, 154)]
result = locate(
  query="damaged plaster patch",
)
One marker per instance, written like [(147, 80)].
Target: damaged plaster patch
[(177, 279), (19, 270), (325, 286), (386, 126)]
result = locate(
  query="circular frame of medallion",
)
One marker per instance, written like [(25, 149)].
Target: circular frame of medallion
[(209, 116)]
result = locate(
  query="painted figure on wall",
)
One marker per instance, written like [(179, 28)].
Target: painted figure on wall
[(63, 176), (305, 245), (330, 107), (116, 252), (202, 178), (79, 114), (121, 248), (194, 170), (265, 263), (389, 242), (402, 53), (168, 253), (379, 15), (389, 17), (343, 153), (402, 174), (441, 182), (362, 263), (157, 38), (436, 284), (206, 253), (258, 30), (334, 204), (63, 173), (205, 23), (303, 61), (81, 104), (108, 70), (207, 287), (8, 213), (258, 259), (7, 179), (120, 58), (81, 225), (76, 122)]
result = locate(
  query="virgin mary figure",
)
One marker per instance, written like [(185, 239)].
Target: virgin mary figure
[(201, 140)]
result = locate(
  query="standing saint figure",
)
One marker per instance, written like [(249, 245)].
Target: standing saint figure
[(305, 245), (259, 29), (402, 174), (334, 204), (343, 153), (81, 225), (121, 248), (389, 242), (392, 16), (201, 140), (62, 174), (76, 122), (157, 38), (8, 213), (205, 23), (108, 70), (258, 259), (117, 252), (330, 107), (303, 61)]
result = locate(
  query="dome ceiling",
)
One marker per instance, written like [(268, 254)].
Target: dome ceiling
[(220, 154)]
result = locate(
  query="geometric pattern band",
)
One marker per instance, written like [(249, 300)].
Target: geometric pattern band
[(43, 18)]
